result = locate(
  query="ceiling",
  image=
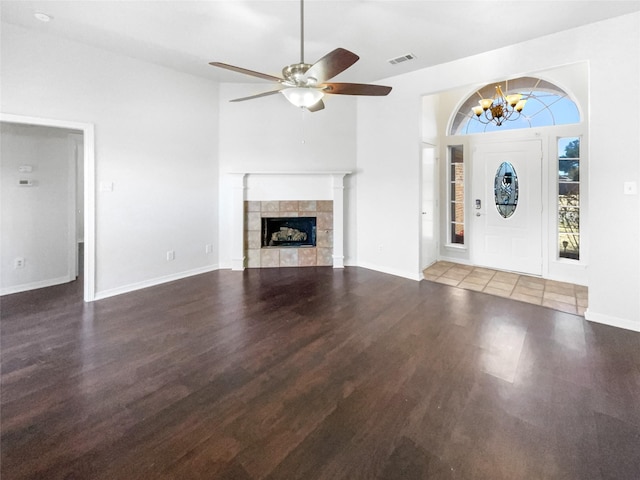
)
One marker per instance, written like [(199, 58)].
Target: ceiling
[(264, 35)]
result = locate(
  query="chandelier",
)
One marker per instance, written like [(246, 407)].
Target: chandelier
[(500, 108)]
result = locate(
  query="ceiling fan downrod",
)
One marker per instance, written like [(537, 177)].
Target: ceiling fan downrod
[(301, 31), (295, 73)]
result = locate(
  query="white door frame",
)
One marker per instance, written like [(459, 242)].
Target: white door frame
[(72, 196), (89, 189), (427, 259)]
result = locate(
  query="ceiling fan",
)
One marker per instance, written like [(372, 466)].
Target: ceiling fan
[(304, 84)]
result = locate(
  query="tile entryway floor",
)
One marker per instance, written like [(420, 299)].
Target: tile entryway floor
[(565, 297)]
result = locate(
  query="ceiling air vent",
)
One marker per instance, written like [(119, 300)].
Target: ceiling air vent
[(402, 58)]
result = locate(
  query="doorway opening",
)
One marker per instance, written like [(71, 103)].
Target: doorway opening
[(39, 178)]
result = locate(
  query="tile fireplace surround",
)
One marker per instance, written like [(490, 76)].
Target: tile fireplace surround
[(320, 255), (254, 195)]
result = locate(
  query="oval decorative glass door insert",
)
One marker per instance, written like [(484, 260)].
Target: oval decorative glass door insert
[(505, 189)]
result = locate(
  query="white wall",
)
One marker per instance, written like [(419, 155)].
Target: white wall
[(156, 141), (388, 157), (36, 221), (388, 195), (271, 135)]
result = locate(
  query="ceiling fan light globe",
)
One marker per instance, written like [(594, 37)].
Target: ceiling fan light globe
[(302, 97)]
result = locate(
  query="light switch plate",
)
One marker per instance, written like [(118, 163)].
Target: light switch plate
[(106, 186), (630, 188)]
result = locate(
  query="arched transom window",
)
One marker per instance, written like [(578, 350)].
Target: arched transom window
[(547, 104)]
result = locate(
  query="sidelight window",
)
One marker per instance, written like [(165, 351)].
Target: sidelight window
[(569, 197), (456, 195)]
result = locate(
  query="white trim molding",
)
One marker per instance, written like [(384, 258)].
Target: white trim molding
[(154, 281), (35, 285), (612, 321), (238, 185), (392, 271)]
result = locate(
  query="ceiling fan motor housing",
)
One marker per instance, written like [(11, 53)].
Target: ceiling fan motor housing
[(296, 75)]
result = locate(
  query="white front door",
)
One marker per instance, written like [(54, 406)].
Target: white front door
[(508, 236)]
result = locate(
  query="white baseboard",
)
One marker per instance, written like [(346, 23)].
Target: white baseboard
[(237, 264), (154, 281), (612, 321), (392, 271), (35, 285), (338, 261), (460, 261)]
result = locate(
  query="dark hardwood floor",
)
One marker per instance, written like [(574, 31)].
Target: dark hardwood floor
[(312, 373)]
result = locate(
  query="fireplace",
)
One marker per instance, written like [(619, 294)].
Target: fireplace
[(288, 232), (291, 195)]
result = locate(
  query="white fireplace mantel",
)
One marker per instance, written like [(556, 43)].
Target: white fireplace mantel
[(295, 172), (270, 185)]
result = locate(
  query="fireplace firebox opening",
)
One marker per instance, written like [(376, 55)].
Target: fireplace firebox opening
[(288, 232)]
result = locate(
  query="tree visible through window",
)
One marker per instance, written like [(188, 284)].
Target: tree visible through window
[(569, 198)]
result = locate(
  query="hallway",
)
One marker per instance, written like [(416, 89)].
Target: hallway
[(565, 297)]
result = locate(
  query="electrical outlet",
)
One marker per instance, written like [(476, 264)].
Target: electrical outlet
[(208, 248), (18, 262), (171, 255)]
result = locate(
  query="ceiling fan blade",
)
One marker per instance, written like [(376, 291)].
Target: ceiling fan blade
[(319, 105), (332, 64), (264, 94), (233, 68), (355, 89)]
